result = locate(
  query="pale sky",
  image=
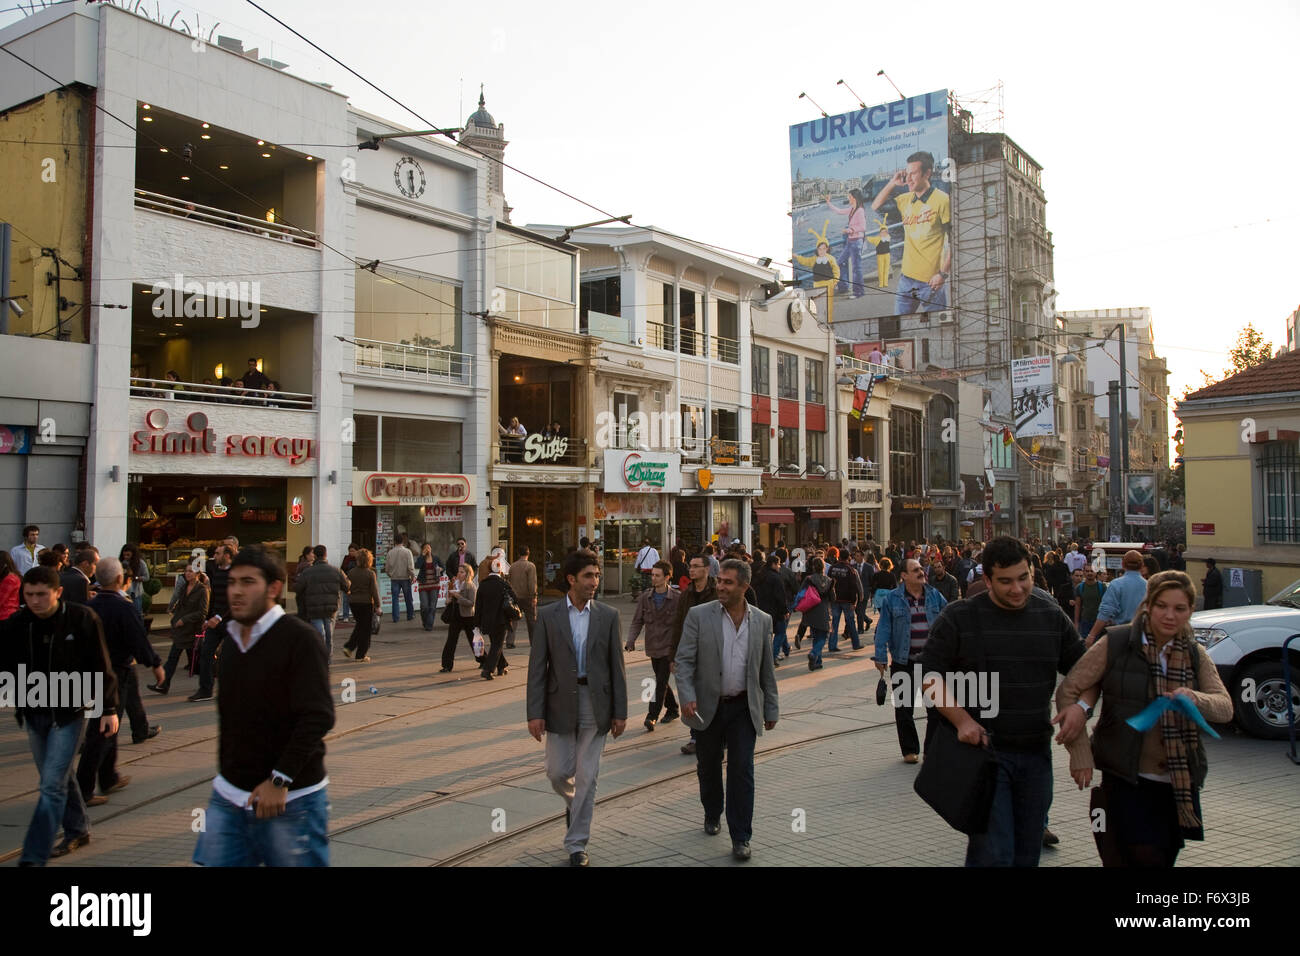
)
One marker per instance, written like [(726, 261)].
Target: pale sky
[(1164, 131)]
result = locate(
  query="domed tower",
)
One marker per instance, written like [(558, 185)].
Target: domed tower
[(484, 134)]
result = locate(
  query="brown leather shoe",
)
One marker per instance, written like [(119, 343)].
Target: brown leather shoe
[(97, 801), (120, 785)]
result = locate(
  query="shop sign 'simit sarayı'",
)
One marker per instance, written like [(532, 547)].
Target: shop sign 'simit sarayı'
[(200, 439)]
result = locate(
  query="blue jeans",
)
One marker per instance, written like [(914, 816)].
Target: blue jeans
[(850, 268), (818, 642), (779, 641), (402, 587), (325, 628), (1020, 805), (233, 836), (915, 296), (850, 625), (54, 749), (346, 611)]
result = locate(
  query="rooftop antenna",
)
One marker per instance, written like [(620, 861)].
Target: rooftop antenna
[(891, 83), (813, 102), (850, 89)]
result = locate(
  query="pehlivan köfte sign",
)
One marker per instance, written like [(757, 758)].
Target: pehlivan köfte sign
[(645, 472), (389, 488)]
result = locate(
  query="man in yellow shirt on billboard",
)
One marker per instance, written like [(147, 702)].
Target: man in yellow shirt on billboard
[(926, 214)]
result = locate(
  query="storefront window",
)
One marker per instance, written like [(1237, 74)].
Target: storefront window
[(544, 519), (726, 521)]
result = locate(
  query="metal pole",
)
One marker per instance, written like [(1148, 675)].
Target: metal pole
[(1123, 419), (4, 278), (1116, 497)]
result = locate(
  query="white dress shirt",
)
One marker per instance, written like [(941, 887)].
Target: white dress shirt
[(735, 653), (579, 621), (25, 560)]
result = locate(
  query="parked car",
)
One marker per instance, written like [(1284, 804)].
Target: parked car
[(1245, 644)]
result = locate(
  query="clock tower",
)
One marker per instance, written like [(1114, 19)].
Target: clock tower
[(484, 134)]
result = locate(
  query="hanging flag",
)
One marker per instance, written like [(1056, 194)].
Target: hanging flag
[(1007, 437), (863, 385)]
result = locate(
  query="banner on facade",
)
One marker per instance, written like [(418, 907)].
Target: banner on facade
[(1140, 499), (863, 386), (1033, 396)]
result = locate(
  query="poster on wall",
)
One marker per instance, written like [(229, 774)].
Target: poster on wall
[(1140, 499), (1033, 396), (871, 208)]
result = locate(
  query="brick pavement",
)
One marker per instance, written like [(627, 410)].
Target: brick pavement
[(426, 767)]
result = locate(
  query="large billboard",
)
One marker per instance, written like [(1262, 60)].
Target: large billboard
[(1033, 396), (1140, 499), (871, 208)]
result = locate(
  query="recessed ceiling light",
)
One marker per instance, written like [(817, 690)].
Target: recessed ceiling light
[(162, 333), (261, 142), (207, 125), (263, 310), (205, 136), (266, 155), (162, 149), (148, 119), (185, 179), (223, 167), (146, 106), (221, 316), (309, 159), (179, 325)]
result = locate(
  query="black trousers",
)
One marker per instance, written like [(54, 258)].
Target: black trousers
[(457, 626), (663, 690), (128, 689), (494, 658), (530, 619), (99, 755), (361, 631), (212, 639), (908, 742), (733, 726)]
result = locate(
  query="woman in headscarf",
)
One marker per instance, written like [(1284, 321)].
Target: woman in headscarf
[(1151, 780)]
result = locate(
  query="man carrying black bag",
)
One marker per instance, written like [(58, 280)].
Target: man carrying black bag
[(997, 655)]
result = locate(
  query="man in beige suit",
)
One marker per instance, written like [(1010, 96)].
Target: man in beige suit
[(523, 581), (577, 693), (727, 685)]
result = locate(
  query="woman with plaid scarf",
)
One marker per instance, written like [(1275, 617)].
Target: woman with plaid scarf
[(1151, 781)]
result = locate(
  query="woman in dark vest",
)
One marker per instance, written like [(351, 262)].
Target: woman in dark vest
[(1151, 782)]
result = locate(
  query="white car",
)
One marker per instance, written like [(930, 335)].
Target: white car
[(1245, 644)]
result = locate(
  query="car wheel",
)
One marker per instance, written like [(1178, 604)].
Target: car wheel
[(1264, 713)]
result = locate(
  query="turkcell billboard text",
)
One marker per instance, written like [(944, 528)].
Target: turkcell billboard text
[(1033, 396), (870, 201)]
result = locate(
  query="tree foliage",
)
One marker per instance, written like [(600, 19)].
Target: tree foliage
[(1250, 350)]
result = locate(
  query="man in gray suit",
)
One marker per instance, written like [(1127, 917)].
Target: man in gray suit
[(577, 693), (727, 685)]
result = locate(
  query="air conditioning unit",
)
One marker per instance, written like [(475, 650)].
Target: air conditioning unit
[(944, 317)]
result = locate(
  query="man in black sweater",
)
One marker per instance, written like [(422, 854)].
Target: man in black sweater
[(127, 643), (64, 643), (269, 803), (1014, 641)]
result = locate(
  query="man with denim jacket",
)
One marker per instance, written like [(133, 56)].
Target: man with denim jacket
[(906, 614)]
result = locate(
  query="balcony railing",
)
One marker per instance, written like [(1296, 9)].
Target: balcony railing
[(611, 328), (693, 342), (184, 209), (412, 363), (168, 390), (848, 365), (660, 336), (863, 470)]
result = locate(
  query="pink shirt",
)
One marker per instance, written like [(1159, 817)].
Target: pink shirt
[(857, 219)]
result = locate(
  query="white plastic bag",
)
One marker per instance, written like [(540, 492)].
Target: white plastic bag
[(478, 642)]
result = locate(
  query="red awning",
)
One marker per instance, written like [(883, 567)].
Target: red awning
[(774, 515), (824, 513)]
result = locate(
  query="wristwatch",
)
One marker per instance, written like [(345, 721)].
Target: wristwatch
[(1087, 711), (279, 780)]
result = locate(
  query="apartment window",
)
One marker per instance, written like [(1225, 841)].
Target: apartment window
[(692, 431), (815, 381), (787, 375), (788, 448), (728, 332), (861, 525), (661, 330), (990, 199), (905, 451), (762, 374), (815, 444), (1155, 421), (725, 424), (994, 253), (1081, 417), (627, 421), (691, 322), (925, 351), (1279, 472), (408, 309), (600, 295), (761, 437), (995, 306)]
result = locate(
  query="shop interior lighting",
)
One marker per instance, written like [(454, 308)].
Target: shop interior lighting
[(220, 370), (204, 514), (149, 514)]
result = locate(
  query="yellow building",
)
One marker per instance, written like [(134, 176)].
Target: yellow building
[(1242, 461)]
